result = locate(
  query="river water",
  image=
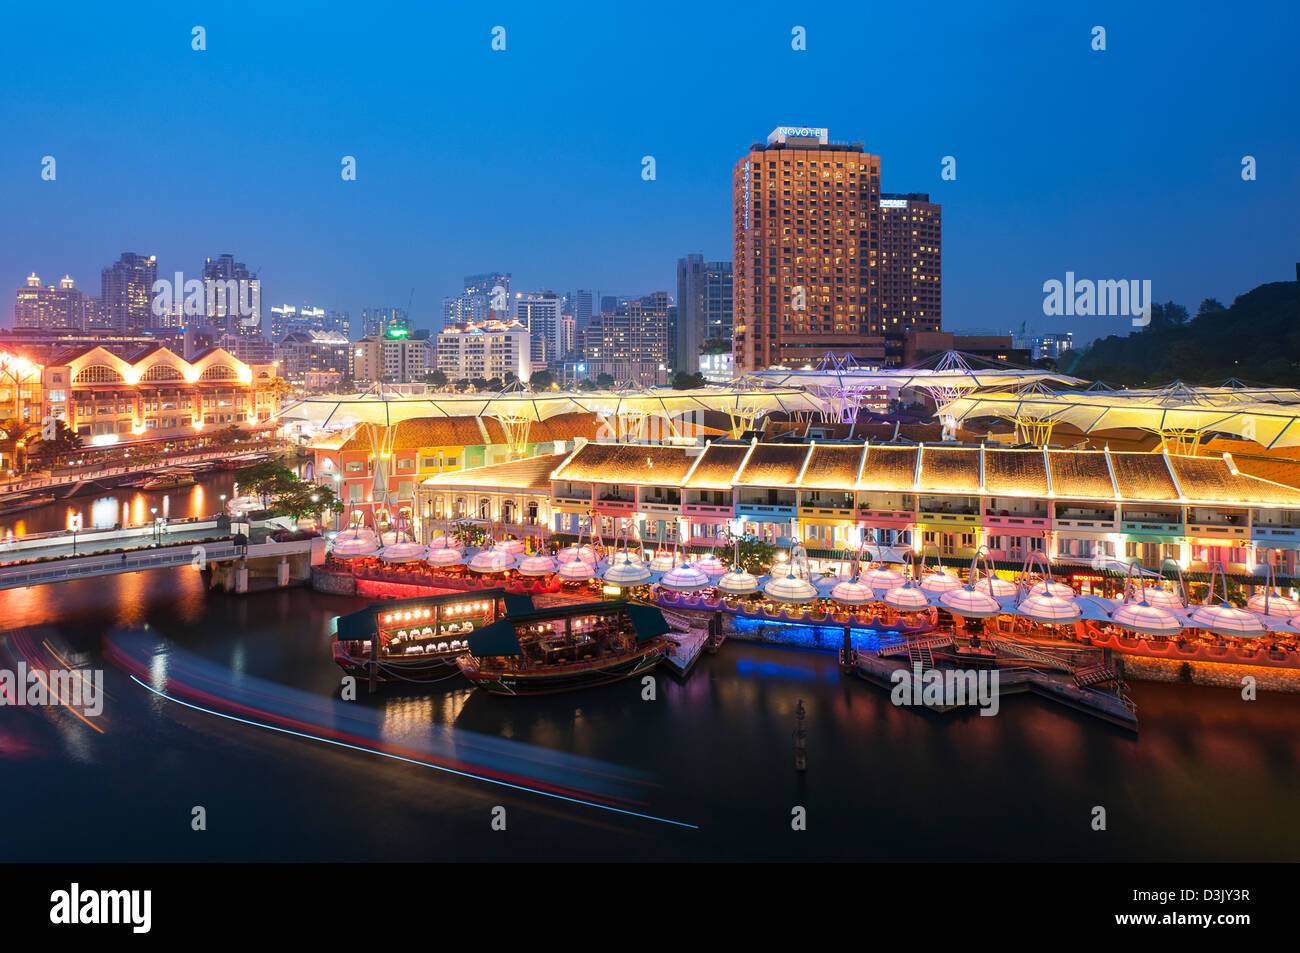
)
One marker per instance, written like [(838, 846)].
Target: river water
[(1209, 776)]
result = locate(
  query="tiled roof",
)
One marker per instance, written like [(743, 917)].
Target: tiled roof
[(432, 432), (774, 464), (888, 468), (627, 463), (1015, 473), (1081, 474), (715, 467), (530, 473), (564, 427), (1211, 480), (1143, 476), (832, 466), (950, 469)]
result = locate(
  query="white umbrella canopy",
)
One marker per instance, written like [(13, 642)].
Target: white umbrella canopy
[(663, 562), (906, 599), (570, 553), (403, 552), (490, 560), (684, 579), (1001, 587), (1164, 599), (627, 573), (440, 542), (939, 581), (1051, 588), (1227, 621), (1146, 619), (970, 603), (881, 578), (577, 570), (349, 545), (789, 588), (1052, 610), (853, 593), (512, 546), (1272, 604), (537, 566), (737, 583), (444, 557), (713, 566)]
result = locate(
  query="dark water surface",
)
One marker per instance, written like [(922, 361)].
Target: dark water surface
[(1208, 777)]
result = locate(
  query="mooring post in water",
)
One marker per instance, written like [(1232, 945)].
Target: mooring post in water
[(846, 653), (800, 740), (374, 661)]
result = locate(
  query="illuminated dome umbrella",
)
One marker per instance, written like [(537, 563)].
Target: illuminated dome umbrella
[(349, 545), (907, 598), (512, 546), (1164, 599), (577, 570), (439, 542), (627, 573), (444, 557), (663, 561), (537, 566), (938, 581), (1270, 601), (973, 601), (403, 552), (684, 579), (579, 552), (1050, 588), (1050, 610), (1001, 588), (713, 566), (884, 579), (1225, 620), (489, 560), (1142, 617), (737, 583), (790, 588), (852, 593)]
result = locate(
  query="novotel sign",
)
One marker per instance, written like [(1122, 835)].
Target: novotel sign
[(782, 133)]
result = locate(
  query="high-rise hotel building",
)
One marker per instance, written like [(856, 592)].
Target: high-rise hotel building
[(820, 266), (910, 289), (807, 247)]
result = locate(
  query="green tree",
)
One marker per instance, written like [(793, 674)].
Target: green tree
[(541, 380), (435, 378), (604, 381), (1210, 306), (756, 555), (587, 384), (684, 381), (266, 479), (64, 441), (301, 498)]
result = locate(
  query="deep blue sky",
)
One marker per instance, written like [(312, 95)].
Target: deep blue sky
[(1122, 164)]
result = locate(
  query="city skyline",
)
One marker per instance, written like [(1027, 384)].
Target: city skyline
[(399, 226)]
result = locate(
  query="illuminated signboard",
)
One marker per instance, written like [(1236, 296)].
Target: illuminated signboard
[(782, 133), (893, 203)]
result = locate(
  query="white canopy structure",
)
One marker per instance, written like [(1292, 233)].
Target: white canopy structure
[(1178, 413)]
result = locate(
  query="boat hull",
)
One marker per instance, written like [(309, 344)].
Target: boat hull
[(549, 680), (414, 668)]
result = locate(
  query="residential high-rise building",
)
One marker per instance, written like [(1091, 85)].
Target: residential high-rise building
[(579, 304), (910, 286), (1052, 345), (486, 296), (37, 306), (306, 353), (630, 343), (395, 357), (126, 290), (491, 349), (232, 295), (806, 218), (540, 313), (704, 308)]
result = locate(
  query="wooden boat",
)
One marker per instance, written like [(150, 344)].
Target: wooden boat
[(415, 640), (20, 504), (565, 647), (168, 481)]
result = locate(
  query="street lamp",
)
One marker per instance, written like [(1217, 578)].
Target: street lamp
[(154, 511)]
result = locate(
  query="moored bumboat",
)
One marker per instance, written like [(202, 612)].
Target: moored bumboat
[(563, 648)]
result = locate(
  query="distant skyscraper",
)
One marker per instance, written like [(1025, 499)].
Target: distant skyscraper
[(630, 343), (704, 308), (288, 319), (807, 231), (50, 307), (232, 296), (910, 287), (540, 313), (126, 289), (580, 304), (491, 291), (378, 321)]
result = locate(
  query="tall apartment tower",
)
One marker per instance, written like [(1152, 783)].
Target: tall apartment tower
[(233, 296), (126, 289), (540, 313), (37, 306), (807, 251), (704, 308), (910, 268)]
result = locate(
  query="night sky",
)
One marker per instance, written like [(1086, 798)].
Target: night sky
[(1117, 164)]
